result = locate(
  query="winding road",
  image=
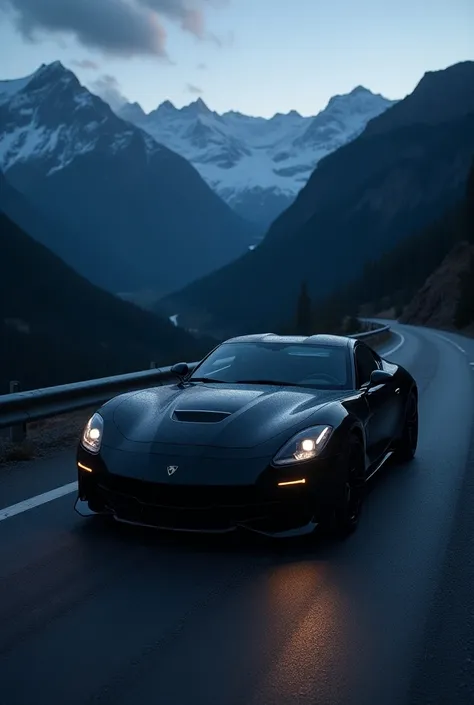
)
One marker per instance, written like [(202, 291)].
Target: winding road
[(99, 613)]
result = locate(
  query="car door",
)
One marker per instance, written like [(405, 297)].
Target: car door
[(382, 413)]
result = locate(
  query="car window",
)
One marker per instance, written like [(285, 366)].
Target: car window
[(366, 362), (319, 366)]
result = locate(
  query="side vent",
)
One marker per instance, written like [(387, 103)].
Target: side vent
[(200, 416)]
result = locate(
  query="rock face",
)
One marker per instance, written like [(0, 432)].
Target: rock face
[(435, 303)]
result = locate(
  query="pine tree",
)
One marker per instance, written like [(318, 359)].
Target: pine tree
[(303, 312)]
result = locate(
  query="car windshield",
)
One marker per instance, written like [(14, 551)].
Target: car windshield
[(306, 365)]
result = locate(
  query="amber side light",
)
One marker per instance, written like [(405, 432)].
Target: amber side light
[(84, 467), (292, 482)]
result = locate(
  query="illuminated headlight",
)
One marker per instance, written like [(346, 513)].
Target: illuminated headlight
[(93, 432), (304, 446)]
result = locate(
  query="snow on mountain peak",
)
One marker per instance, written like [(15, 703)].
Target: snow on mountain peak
[(258, 165), (49, 116), (255, 164), (197, 107)]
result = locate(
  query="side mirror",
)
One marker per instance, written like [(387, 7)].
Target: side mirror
[(181, 369), (379, 377)]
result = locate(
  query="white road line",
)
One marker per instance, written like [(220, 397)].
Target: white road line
[(384, 353), (448, 340), (37, 501)]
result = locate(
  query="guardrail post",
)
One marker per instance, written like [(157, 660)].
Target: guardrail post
[(17, 432)]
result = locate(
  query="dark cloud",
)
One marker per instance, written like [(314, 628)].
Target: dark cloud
[(86, 64), (120, 27), (189, 13), (108, 88), (115, 26), (193, 89)]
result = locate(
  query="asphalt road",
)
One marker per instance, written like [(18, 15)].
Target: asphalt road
[(99, 613)]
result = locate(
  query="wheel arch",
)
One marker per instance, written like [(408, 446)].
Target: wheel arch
[(357, 431)]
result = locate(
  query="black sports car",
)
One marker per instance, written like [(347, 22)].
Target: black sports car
[(275, 434)]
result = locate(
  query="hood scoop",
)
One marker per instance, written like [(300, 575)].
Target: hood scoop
[(200, 416)]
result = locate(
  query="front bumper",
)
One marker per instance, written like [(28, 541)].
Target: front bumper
[(264, 506)]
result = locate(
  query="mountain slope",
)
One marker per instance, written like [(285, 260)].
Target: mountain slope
[(42, 226), (359, 202), (437, 301), (258, 165), (57, 327), (146, 218), (419, 280)]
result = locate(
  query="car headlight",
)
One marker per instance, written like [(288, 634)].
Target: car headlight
[(93, 433), (305, 445)]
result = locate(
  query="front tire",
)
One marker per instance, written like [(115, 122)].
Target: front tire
[(345, 517), (407, 445)]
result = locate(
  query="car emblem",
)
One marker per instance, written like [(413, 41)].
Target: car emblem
[(172, 469)]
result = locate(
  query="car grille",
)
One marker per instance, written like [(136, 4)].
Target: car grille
[(183, 506), (184, 496)]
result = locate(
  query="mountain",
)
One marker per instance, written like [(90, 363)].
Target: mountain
[(258, 165), (144, 216), (57, 327), (360, 201), (437, 286), (436, 303), (42, 226)]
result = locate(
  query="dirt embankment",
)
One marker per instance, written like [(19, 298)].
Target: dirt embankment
[(435, 303)]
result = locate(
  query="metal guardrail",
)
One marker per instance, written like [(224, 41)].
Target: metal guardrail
[(20, 408), (370, 333)]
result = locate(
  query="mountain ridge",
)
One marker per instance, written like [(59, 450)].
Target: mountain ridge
[(64, 147), (359, 202), (258, 165)]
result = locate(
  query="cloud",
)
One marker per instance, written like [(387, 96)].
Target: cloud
[(86, 64), (117, 27), (193, 89), (108, 88), (189, 13)]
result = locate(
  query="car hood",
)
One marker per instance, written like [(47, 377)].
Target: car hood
[(224, 415)]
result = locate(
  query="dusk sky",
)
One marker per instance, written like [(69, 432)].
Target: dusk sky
[(256, 56)]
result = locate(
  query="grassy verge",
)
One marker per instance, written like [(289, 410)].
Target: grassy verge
[(46, 438)]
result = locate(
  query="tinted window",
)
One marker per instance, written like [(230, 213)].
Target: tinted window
[(318, 366), (365, 363)]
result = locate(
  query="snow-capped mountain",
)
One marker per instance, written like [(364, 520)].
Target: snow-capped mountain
[(49, 117), (127, 206), (258, 165)]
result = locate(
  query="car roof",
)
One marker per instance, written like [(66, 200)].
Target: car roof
[(319, 339)]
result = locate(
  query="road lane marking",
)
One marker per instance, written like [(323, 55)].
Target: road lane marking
[(448, 340), (37, 501), (394, 349)]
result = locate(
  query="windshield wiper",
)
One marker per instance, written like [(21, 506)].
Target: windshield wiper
[(272, 382)]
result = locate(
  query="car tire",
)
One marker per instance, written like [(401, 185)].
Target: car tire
[(406, 446), (344, 518)]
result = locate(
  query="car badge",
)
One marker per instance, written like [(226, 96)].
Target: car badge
[(172, 469)]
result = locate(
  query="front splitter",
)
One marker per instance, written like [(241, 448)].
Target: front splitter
[(304, 530)]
